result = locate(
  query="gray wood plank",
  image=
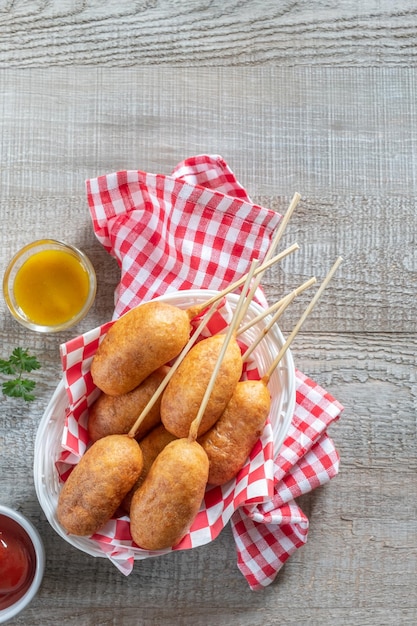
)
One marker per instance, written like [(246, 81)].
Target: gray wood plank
[(240, 33), (315, 130), (357, 195)]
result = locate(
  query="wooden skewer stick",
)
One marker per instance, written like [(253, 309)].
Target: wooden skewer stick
[(274, 244), (287, 301), (248, 298), (303, 318), (277, 237), (195, 424), (308, 283), (283, 225), (172, 370), (195, 310)]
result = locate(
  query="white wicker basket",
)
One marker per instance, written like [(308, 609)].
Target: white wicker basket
[(48, 438)]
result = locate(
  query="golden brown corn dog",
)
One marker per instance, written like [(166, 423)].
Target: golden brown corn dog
[(229, 442), (137, 344), (151, 445), (115, 415), (165, 505), (185, 391), (98, 483)]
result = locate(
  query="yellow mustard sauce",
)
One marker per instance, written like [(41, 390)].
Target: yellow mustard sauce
[(51, 287)]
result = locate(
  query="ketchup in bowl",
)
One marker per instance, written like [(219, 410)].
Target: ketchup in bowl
[(22, 562), (17, 562)]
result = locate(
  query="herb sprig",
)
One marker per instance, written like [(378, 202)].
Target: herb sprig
[(19, 362)]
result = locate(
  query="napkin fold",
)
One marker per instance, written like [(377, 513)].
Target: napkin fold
[(198, 228)]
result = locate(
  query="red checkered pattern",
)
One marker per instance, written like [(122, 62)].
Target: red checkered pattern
[(168, 234), (212, 173), (199, 229), (267, 534)]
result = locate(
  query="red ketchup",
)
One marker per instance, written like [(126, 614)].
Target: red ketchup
[(17, 562)]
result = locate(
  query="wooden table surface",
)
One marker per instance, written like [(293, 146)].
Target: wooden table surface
[(316, 97)]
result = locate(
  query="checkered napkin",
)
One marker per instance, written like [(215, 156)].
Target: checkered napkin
[(199, 229)]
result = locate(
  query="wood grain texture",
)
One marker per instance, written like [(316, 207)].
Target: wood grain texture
[(321, 131), (201, 33), (356, 170), (345, 137)]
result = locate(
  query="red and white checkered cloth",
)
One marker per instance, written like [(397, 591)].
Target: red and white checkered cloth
[(199, 229)]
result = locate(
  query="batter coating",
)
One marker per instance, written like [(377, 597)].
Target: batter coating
[(98, 483), (164, 507), (115, 415), (230, 441), (185, 391), (151, 445), (137, 344)]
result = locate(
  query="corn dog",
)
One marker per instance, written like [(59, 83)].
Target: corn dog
[(98, 483), (185, 391), (166, 503), (137, 344), (229, 442), (111, 415)]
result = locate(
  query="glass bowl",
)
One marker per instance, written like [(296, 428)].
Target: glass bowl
[(49, 286), (18, 534)]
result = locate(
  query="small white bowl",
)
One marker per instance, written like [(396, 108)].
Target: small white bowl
[(34, 541)]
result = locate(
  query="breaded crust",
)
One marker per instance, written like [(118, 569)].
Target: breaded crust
[(137, 344), (185, 391), (229, 442), (164, 507), (151, 445), (98, 483), (115, 415)]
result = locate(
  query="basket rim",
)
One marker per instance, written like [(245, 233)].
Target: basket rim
[(51, 425)]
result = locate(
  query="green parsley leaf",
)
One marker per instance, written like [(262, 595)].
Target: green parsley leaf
[(7, 368), (20, 361), (23, 361), (19, 388)]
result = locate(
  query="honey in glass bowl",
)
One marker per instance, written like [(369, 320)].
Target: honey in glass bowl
[(49, 285)]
